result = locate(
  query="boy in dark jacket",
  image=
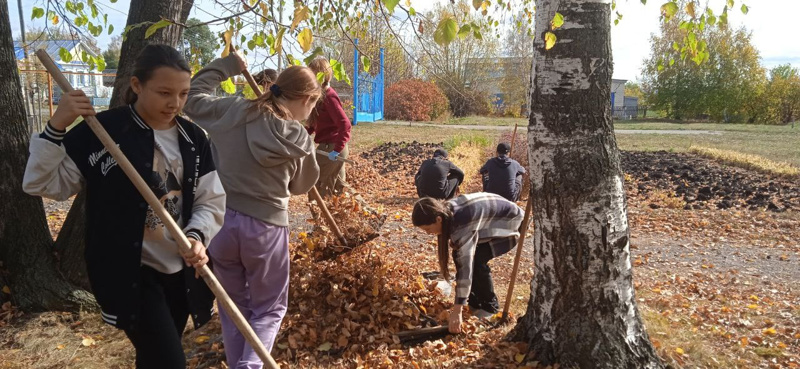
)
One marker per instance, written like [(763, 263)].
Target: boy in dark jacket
[(438, 177), (503, 175)]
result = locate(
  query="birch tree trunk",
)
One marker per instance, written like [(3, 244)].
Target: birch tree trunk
[(582, 311)]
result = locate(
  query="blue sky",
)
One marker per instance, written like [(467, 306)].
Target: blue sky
[(773, 23)]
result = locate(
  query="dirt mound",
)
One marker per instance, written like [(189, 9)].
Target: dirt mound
[(401, 157), (702, 183)]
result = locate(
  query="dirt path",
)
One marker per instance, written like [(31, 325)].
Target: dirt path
[(509, 128)]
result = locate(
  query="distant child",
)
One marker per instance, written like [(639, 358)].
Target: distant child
[(331, 128), (475, 228), (266, 78), (503, 175), (142, 283), (438, 177), (264, 156)]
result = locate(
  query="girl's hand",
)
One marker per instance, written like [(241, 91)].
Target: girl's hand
[(197, 257), (241, 59), (455, 320), (72, 105)]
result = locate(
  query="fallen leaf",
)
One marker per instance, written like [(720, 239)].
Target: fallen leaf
[(201, 339), (752, 306), (753, 297), (679, 351), (6, 290), (519, 357), (324, 347), (88, 341), (60, 347), (743, 341), (770, 332)]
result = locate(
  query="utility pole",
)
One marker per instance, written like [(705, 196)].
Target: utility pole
[(26, 97), (280, 20)]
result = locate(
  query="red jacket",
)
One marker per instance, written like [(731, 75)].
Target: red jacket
[(332, 125)]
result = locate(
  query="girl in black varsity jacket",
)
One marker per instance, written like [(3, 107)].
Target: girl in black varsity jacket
[(142, 283)]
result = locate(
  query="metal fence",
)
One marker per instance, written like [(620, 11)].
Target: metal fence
[(41, 95), (629, 112)]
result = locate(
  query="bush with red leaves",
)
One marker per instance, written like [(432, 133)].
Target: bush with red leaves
[(415, 100)]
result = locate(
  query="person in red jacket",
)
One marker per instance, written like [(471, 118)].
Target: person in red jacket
[(331, 128)]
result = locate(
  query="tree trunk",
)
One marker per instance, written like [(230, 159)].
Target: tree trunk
[(582, 311), (25, 243), (70, 243)]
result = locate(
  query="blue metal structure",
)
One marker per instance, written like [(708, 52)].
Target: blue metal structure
[(367, 93)]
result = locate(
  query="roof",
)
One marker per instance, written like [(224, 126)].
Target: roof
[(51, 46)]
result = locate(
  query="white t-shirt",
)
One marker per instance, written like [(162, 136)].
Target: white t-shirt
[(159, 249)]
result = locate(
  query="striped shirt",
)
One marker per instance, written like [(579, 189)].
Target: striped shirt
[(480, 218)]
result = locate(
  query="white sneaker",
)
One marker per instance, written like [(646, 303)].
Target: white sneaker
[(482, 314)]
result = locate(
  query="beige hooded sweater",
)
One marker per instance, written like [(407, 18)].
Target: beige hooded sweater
[(261, 160)]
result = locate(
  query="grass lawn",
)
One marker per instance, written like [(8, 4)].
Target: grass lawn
[(777, 143)]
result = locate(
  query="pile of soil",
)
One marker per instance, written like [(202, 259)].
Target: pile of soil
[(703, 183), (401, 157)]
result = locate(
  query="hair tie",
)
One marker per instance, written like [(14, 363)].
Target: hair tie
[(276, 90)]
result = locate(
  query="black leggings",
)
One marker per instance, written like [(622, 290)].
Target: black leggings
[(481, 295), (162, 318)]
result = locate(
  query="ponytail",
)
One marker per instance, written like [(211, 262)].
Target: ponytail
[(294, 83)]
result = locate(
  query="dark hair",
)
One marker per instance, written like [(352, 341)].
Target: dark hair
[(151, 58), (266, 76), (425, 212)]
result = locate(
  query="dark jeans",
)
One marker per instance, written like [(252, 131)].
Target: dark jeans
[(482, 295), (452, 188), (162, 317)]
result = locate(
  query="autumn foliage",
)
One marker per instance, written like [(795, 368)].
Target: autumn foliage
[(415, 100)]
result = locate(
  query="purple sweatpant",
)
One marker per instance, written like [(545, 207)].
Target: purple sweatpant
[(251, 260)]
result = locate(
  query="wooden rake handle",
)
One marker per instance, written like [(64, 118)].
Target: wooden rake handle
[(523, 230), (314, 192), (174, 229)]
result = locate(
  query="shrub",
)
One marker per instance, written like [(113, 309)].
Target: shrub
[(465, 102), (415, 100)]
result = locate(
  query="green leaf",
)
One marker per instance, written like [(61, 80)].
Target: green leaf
[(668, 10), (464, 31), (671, 62), (644, 2), (110, 29), (477, 34), (37, 13), (65, 55), (314, 54), (305, 38), (155, 27), (390, 4), (745, 9), (549, 40), (557, 22), (339, 71), (730, 3), (70, 6), (248, 92), (101, 63), (365, 62), (445, 32), (412, 11), (660, 65), (320, 77), (228, 86)]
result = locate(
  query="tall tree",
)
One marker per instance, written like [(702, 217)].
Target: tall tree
[(70, 242), (582, 311), (725, 86), (25, 243), (782, 95), (111, 55), (202, 42)]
